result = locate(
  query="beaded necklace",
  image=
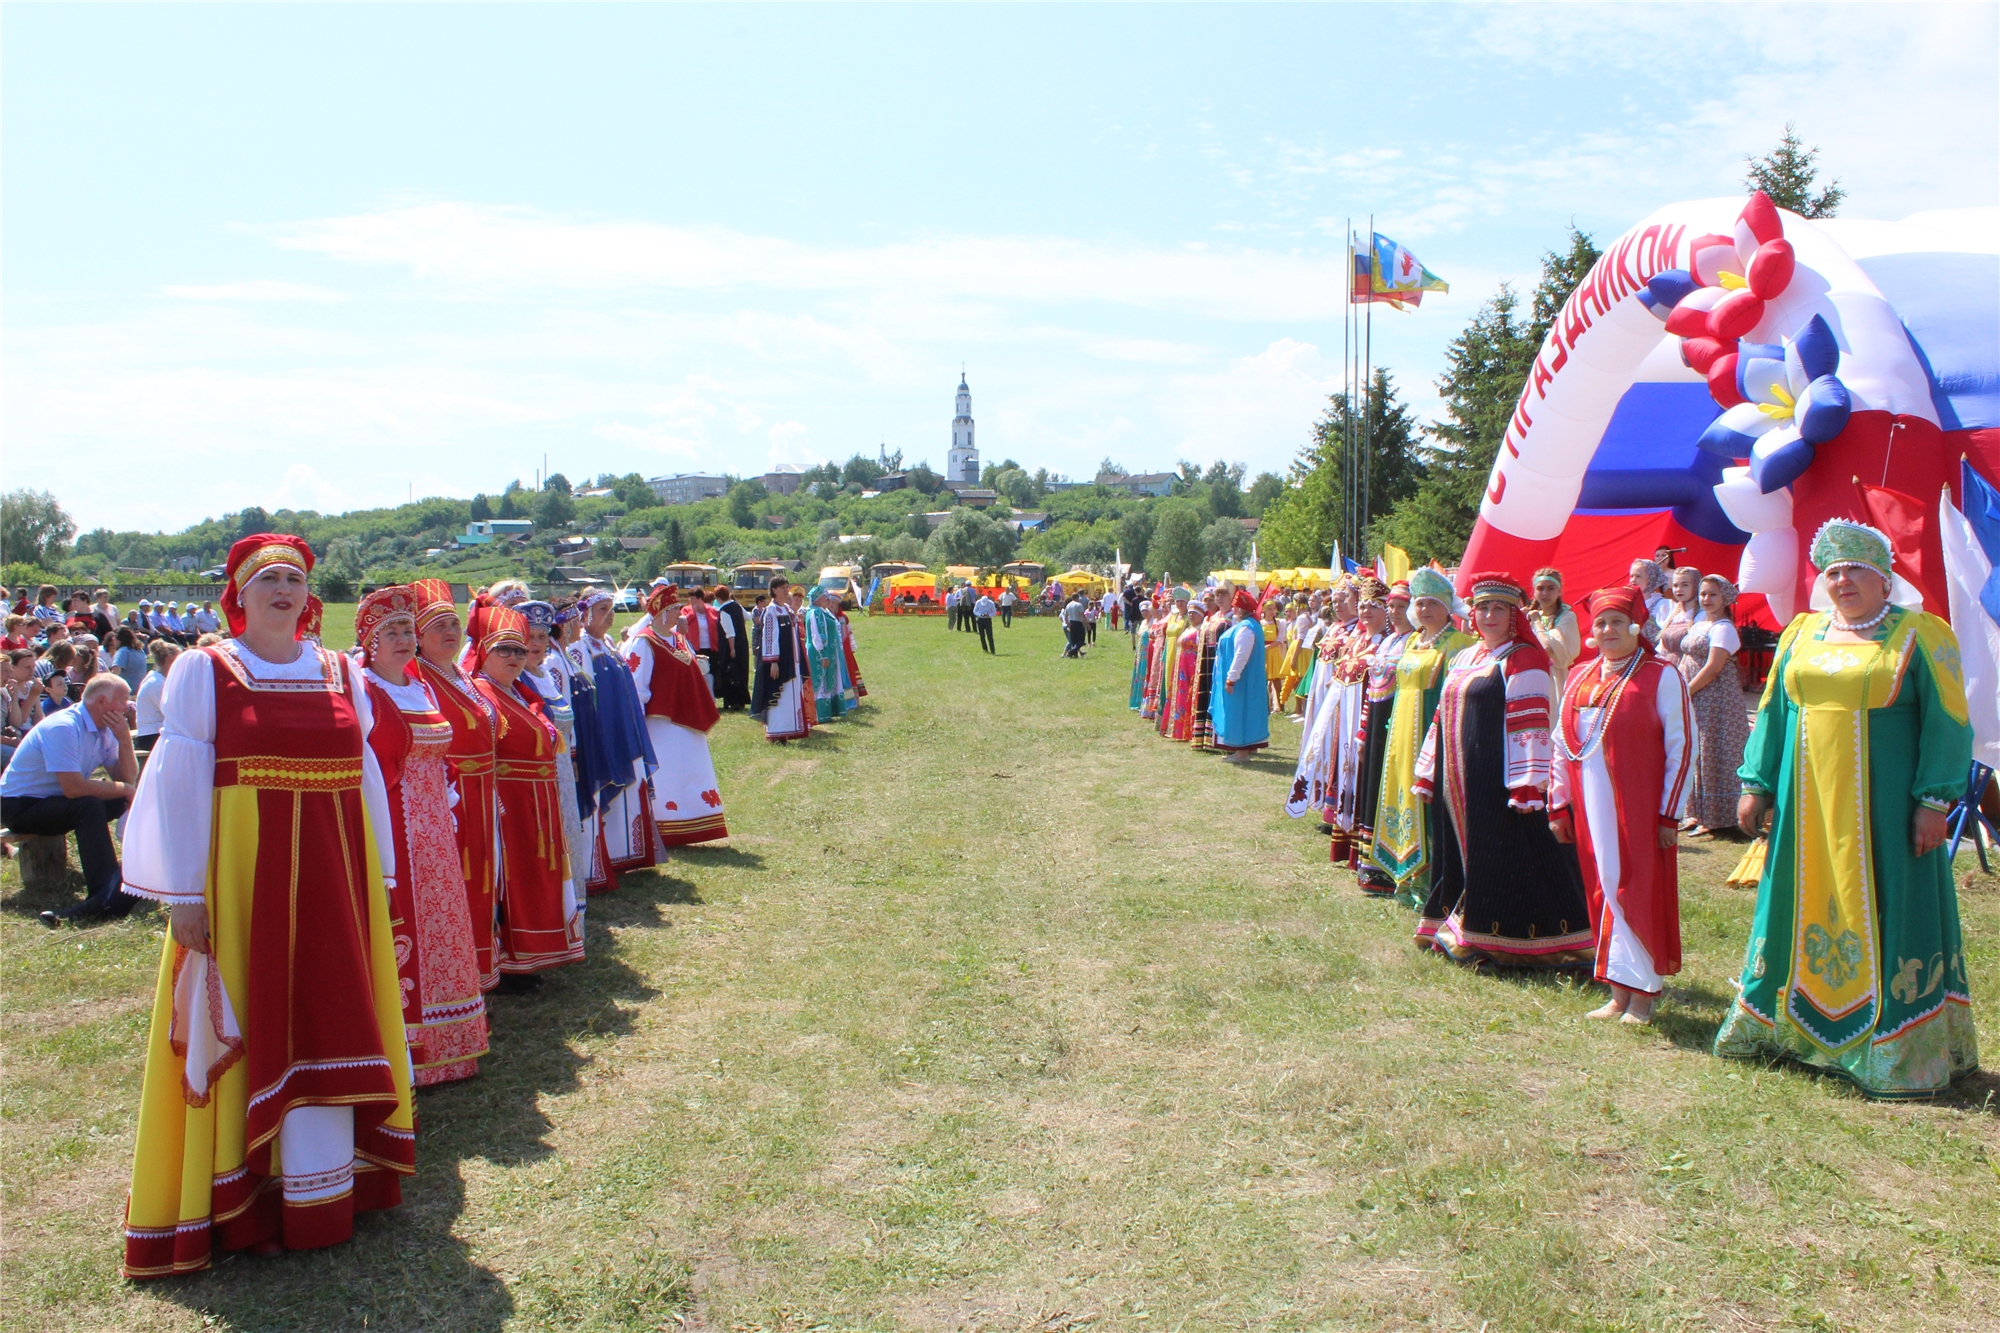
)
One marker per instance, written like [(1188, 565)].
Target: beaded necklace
[(1610, 702), (1856, 627)]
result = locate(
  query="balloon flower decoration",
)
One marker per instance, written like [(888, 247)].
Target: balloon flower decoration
[(1779, 401)]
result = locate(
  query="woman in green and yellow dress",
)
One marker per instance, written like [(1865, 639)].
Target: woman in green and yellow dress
[(1856, 963), (1400, 850)]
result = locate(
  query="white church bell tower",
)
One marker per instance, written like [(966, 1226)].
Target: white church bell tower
[(962, 466)]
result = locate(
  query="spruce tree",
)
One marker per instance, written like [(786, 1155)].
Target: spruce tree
[(1301, 525), (1788, 173)]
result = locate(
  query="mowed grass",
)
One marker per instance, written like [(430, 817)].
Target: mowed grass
[(997, 1012)]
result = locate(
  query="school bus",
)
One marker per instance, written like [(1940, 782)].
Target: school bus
[(688, 575), (754, 576), (843, 580)]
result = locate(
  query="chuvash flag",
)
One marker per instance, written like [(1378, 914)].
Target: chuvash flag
[(1386, 271)]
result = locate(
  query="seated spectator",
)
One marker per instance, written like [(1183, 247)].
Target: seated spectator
[(128, 659), (205, 620), (55, 693), (22, 701), (84, 665), (48, 791), (19, 634), (55, 661), (45, 604), (146, 701), (104, 614)]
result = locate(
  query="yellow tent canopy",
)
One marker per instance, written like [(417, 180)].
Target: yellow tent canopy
[(915, 578), (1078, 579), (962, 571), (1240, 577)]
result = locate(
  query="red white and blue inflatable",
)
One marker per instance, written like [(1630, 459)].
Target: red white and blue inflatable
[(1729, 376)]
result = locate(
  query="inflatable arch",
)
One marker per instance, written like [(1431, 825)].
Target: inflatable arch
[(1724, 377)]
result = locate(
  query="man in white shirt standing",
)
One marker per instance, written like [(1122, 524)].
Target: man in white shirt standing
[(982, 615), (1007, 600)]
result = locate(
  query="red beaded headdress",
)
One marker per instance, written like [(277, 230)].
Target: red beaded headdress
[(379, 608)]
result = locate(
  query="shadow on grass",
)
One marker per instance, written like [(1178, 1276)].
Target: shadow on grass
[(408, 1267), (711, 855), (1694, 1016)]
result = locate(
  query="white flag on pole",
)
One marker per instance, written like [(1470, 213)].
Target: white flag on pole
[(1966, 571)]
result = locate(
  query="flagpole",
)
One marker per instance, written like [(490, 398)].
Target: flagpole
[(1368, 400), (1347, 393)]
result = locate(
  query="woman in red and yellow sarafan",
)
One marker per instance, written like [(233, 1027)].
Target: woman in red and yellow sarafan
[(541, 924), (470, 713), (443, 1010), (276, 1103)]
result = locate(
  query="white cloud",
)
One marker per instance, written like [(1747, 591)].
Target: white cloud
[(257, 290), (486, 250)]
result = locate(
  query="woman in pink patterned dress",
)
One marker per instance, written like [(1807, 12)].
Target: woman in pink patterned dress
[(443, 1010)]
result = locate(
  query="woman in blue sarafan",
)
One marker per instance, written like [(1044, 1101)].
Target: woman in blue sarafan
[(615, 755), (1238, 701)]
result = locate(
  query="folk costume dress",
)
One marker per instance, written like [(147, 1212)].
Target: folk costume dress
[(687, 805), (621, 763), (553, 685), (476, 816), (1319, 746), (541, 917), (1240, 706), (276, 1102), (1856, 959), (1201, 727), (1721, 720), (735, 692), (826, 660), (782, 700), (1405, 827), (856, 689), (1504, 891), (1624, 757), (1166, 678), (1142, 645), (437, 961), (1379, 702), (1347, 694), (1187, 665)]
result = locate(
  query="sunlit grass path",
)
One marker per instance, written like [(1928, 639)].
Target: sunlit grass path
[(996, 1009)]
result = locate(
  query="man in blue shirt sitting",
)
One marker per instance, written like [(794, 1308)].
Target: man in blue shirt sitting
[(48, 790)]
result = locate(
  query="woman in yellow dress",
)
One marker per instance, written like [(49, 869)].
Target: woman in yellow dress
[(1403, 831), (276, 1102)]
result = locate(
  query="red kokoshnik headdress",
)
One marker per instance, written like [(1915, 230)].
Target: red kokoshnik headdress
[(660, 598), (503, 625), (434, 602), (382, 607), (1244, 602), (252, 556)]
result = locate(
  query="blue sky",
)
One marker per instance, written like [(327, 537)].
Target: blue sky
[(325, 256)]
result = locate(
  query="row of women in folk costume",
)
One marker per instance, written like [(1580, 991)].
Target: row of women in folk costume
[(1551, 841), (807, 674), (1199, 671), (352, 852)]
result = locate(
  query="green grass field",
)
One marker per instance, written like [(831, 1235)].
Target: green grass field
[(996, 1012)]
